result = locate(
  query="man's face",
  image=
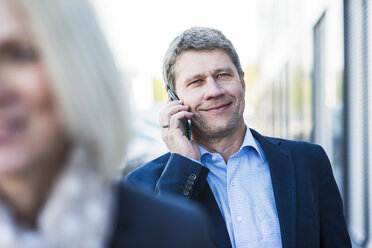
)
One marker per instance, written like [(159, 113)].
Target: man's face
[(209, 83)]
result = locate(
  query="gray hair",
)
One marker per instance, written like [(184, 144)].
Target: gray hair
[(87, 85), (196, 38)]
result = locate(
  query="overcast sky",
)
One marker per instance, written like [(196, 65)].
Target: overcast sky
[(140, 31)]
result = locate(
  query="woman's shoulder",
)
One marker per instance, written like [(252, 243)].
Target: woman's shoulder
[(137, 200), (143, 220)]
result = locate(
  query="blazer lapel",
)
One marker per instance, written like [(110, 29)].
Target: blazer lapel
[(284, 186), (218, 228)]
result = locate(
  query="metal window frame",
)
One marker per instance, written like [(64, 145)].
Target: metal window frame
[(347, 112)]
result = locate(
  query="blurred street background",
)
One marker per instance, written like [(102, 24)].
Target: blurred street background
[(307, 69)]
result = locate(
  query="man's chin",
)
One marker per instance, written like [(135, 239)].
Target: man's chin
[(217, 129), (213, 131)]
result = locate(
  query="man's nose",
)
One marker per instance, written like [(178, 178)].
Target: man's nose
[(213, 89)]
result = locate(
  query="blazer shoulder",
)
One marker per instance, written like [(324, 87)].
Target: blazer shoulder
[(299, 149), (298, 145), (285, 143), (308, 157), (149, 173)]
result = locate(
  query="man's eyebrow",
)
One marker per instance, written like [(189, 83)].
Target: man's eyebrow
[(225, 69), (201, 75), (193, 77)]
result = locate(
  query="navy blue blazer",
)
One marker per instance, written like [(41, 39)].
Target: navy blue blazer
[(307, 199), (146, 221)]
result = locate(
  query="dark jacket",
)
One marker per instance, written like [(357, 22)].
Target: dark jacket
[(143, 221), (307, 199)]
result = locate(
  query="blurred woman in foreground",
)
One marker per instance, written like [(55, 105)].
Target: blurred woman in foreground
[(63, 131)]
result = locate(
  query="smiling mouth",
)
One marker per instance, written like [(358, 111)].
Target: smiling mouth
[(218, 108)]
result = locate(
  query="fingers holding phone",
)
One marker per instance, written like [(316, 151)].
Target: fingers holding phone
[(179, 122), (184, 123), (176, 128), (168, 118), (171, 108)]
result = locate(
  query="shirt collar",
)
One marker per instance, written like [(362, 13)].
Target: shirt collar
[(249, 141)]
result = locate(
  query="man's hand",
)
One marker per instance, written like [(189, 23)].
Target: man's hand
[(172, 135)]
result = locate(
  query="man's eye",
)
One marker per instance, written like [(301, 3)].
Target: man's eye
[(196, 81), (222, 75)]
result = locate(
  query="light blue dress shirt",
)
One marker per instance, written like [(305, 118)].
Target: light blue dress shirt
[(244, 193)]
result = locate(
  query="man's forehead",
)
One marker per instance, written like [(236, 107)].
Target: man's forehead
[(197, 61), (200, 52)]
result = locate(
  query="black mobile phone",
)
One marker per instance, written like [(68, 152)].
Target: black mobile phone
[(185, 124)]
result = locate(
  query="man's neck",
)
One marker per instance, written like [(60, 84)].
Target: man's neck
[(227, 145)]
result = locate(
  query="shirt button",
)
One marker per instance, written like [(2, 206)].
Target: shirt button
[(214, 158), (233, 183), (239, 218)]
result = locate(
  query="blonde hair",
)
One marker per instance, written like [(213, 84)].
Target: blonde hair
[(85, 80)]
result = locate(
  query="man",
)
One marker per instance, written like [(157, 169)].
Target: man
[(258, 191)]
